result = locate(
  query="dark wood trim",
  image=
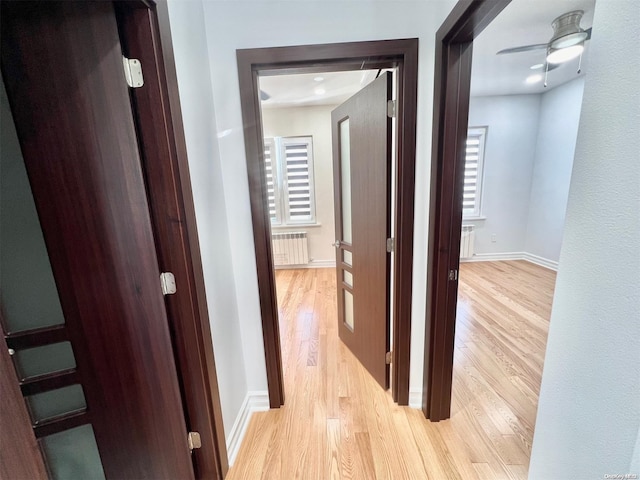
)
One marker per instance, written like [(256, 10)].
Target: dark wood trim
[(49, 381), (37, 337), (249, 97), (454, 41), (146, 35), (327, 57), (20, 456), (61, 423), (405, 193)]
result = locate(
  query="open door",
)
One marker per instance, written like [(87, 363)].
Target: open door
[(361, 131), (82, 307)]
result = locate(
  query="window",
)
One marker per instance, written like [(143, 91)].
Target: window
[(474, 162), (289, 172)]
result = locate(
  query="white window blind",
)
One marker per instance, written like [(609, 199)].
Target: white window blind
[(474, 162), (272, 180), (290, 186)]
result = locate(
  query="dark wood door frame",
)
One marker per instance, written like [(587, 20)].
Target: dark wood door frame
[(454, 42), (145, 34), (322, 58)]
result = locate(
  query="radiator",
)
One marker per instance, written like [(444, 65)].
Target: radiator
[(290, 248), (467, 241)]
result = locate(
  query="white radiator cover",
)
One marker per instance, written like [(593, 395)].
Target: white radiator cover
[(467, 241), (290, 248)]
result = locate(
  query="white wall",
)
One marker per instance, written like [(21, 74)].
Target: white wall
[(635, 457), (529, 153), (555, 148), (314, 121), (245, 24), (194, 82), (510, 146), (589, 408)]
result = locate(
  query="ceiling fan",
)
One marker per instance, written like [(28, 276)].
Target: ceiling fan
[(566, 43)]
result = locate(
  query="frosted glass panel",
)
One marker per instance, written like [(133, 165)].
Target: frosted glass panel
[(29, 293), (41, 360), (56, 402), (347, 258), (348, 309), (348, 278), (73, 454), (345, 185)]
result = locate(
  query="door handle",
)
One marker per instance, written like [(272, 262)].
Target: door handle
[(336, 244)]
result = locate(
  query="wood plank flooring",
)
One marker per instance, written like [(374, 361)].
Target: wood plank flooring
[(339, 424)]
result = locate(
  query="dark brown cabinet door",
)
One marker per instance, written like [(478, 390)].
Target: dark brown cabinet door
[(361, 133), (96, 366)]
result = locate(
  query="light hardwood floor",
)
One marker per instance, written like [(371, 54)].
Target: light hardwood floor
[(338, 423)]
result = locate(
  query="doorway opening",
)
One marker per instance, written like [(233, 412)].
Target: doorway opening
[(318, 220), (504, 307), (518, 155), (321, 60)]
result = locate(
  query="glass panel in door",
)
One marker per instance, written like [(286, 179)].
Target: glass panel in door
[(345, 181), (29, 303)]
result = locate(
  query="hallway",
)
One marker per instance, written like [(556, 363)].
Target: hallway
[(338, 423)]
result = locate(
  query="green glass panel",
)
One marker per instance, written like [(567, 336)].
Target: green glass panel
[(28, 293), (41, 360), (73, 454), (56, 402)]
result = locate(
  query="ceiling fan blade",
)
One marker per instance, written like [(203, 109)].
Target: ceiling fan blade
[(526, 48)]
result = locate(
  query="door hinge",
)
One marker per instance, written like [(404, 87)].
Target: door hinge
[(392, 108), (387, 358), (391, 245), (133, 72), (193, 438), (453, 275), (168, 283)]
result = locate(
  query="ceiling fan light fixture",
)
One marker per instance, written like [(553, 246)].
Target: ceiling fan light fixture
[(569, 40), (562, 55)]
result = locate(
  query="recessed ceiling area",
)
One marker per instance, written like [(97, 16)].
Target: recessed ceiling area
[(331, 88), (524, 22)]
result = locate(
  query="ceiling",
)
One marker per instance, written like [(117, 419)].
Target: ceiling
[(313, 89), (523, 22)]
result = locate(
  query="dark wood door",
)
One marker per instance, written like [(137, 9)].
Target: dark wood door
[(361, 131), (63, 71)]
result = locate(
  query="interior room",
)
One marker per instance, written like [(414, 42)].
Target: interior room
[(523, 127)]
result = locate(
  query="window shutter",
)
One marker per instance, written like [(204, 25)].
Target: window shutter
[(298, 174), (272, 179), (473, 171), (288, 163)]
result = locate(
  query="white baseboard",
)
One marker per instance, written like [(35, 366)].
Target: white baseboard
[(415, 399), (253, 402), (312, 264), (543, 262), (496, 257)]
